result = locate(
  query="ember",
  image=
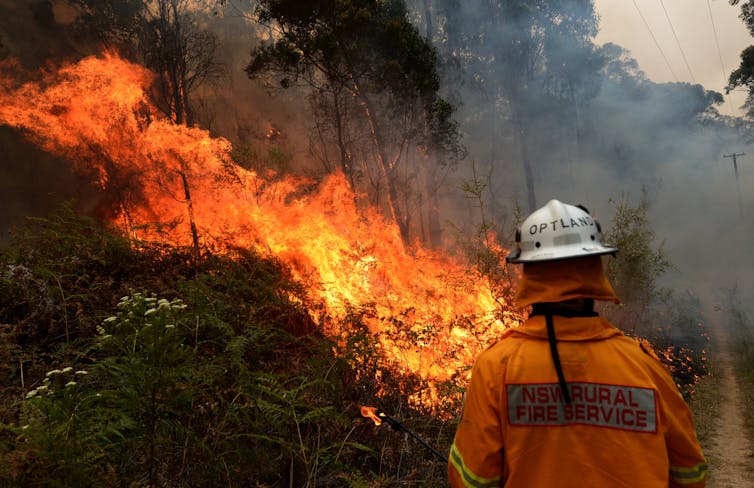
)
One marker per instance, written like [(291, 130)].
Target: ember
[(178, 185)]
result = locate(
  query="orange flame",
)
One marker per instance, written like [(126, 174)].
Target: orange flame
[(430, 314), (371, 413)]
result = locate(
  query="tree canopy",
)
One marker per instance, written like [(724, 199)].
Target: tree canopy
[(367, 53)]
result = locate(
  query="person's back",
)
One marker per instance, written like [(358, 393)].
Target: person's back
[(567, 400)]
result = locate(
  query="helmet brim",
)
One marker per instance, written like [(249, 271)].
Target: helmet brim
[(568, 252)]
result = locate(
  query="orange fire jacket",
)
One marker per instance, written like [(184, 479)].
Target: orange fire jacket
[(626, 426)]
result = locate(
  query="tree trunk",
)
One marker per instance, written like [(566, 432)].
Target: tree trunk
[(190, 208), (531, 198), (428, 19), (385, 165), (521, 125), (434, 228), (345, 162)]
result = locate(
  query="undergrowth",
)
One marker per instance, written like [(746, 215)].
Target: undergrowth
[(129, 364), (742, 338)]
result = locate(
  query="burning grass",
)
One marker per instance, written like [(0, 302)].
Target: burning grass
[(199, 370)]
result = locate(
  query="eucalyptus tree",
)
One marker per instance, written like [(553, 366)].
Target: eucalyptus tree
[(373, 76), (163, 35), (743, 76), (166, 37), (529, 68)]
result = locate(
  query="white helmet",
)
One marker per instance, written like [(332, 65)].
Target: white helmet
[(558, 231)]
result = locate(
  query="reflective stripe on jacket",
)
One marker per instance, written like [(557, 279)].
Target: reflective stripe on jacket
[(626, 426)]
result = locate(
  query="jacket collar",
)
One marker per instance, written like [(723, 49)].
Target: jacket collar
[(567, 328), (568, 279)]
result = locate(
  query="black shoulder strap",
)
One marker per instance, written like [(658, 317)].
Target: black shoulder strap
[(556, 358)]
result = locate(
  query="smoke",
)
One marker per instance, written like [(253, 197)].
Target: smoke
[(624, 134), (627, 134)]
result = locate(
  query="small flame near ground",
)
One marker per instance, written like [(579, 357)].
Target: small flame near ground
[(371, 413), (429, 313)]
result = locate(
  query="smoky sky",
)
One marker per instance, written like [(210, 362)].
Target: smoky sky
[(636, 138), (695, 41)]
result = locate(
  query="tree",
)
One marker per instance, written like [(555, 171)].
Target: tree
[(543, 49), (164, 36), (532, 68), (637, 267), (372, 73), (743, 76)]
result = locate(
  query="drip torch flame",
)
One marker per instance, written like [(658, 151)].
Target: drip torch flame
[(371, 413)]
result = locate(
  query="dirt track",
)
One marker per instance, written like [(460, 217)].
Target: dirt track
[(732, 460)]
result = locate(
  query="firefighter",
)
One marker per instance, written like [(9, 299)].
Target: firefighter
[(566, 399)]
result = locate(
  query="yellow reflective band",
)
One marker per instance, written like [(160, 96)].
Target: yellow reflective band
[(470, 480), (688, 476)]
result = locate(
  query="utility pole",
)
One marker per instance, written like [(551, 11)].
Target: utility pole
[(738, 186)]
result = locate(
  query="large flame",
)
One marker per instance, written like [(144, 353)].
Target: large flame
[(430, 313)]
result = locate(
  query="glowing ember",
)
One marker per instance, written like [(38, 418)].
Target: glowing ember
[(177, 185), (371, 413)]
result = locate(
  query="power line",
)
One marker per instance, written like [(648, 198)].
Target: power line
[(677, 41), (717, 43), (655, 41)]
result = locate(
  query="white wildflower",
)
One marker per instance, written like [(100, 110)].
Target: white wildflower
[(150, 311), (81, 372), (70, 383), (170, 326), (42, 388), (53, 372), (100, 330), (162, 303), (110, 319), (67, 369), (24, 427), (31, 394)]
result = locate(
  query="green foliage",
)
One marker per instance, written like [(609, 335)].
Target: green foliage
[(743, 76), (636, 269), (482, 249)]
